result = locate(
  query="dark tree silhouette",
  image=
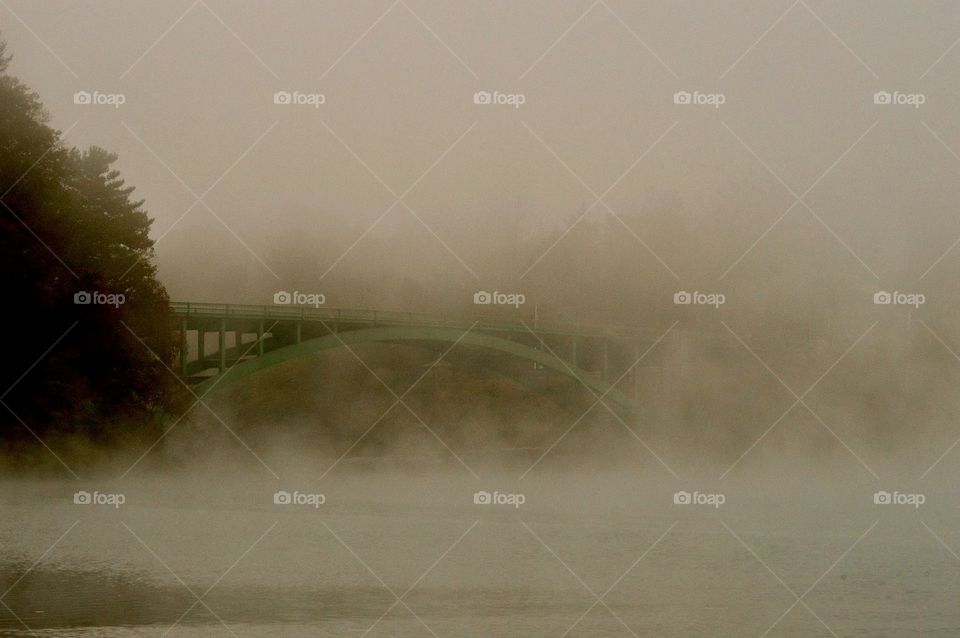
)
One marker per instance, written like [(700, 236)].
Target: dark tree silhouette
[(68, 225)]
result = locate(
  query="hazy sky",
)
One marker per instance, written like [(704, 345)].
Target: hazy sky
[(294, 185), (796, 156)]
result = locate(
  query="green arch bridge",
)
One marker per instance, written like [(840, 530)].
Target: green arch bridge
[(222, 344)]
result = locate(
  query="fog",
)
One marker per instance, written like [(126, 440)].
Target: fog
[(296, 187), (598, 195), (796, 199)]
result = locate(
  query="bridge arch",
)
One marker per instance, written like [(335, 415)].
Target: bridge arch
[(394, 334)]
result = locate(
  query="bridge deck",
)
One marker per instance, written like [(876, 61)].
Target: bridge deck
[(270, 313)]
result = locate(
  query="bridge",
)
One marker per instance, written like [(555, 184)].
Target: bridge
[(221, 344)]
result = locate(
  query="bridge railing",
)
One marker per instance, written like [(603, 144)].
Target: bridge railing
[(388, 317)]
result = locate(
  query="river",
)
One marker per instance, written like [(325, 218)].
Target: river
[(410, 553)]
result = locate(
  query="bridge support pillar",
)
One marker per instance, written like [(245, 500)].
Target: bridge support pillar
[(184, 347), (201, 345), (300, 331), (223, 345), (260, 339)]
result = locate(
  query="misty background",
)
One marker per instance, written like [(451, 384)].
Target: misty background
[(798, 400), (502, 198)]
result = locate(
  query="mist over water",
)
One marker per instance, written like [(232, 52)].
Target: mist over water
[(525, 570), (599, 512)]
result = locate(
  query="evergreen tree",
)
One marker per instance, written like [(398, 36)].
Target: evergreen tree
[(69, 225)]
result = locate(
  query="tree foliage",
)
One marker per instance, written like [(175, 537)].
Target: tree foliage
[(69, 224)]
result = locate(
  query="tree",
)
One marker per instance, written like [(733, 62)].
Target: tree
[(68, 226)]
